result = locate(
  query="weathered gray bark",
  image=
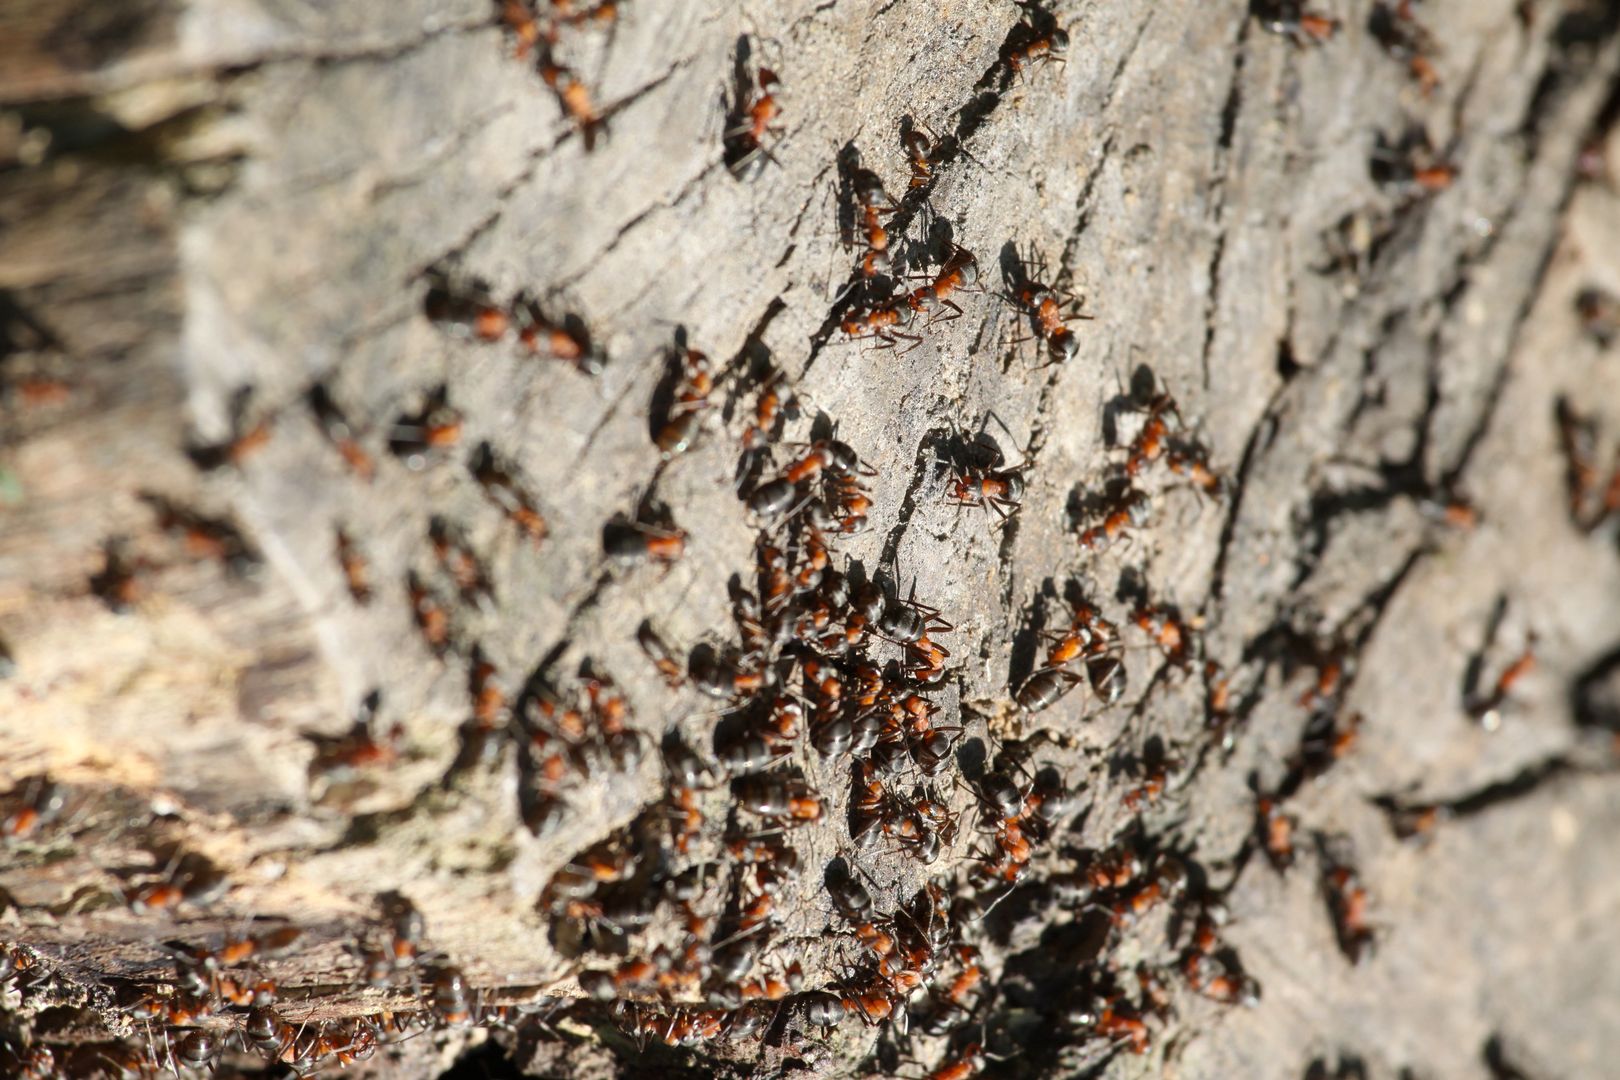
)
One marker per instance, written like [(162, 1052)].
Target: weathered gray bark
[(202, 198)]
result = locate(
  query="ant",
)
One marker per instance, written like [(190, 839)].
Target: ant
[(568, 340), (1049, 309), (1397, 30), (769, 407), (1410, 167), (1108, 1015), (470, 314), (117, 585), (503, 489), (1090, 638), (356, 570), (1121, 507), (1326, 740), (1173, 634), (919, 149), (574, 97), (662, 656), (1577, 439), (629, 542), (745, 150), (1274, 830), (1035, 41), (417, 437), (884, 322), (343, 436), (904, 622), (1158, 408), (1045, 688), (1486, 709), (694, 381), (37, 804), (189, 878), (36, 390), (204, 537), (429, 613), (1156, 769), (1347, 902), (459, 560), (358, 748), (242, 444), (491, 714), (1210, 975), (961, 270), (1183, 455), (1291, 19), (872, 202), (1168, 881), (787, 799)]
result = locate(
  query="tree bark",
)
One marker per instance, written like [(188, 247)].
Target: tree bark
[(1366, 298)]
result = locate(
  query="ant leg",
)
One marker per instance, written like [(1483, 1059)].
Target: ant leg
[(947, 318), (915, 340)]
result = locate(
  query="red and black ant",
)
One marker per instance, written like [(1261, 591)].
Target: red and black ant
[(1591, 502), (961, 271), (630, 542), (1399, 33), (502, 489), (574, 97), (1153, 438), (1122, 507), (457, 558), (1111, 1017), (1155, 770), (1205, 970), (1035, 41), (243, 443), (356, 569), (1049, 310), (343, 436), (872, 203), (1410, 166), (693, 383), (118, 583), (188, 878), (470, 313), (1090, 639), (204, 537), (1293, 20), (420, 437), (1347, 902), (786, 799), (1172, 633), (885, 322), (663, 657), (1274, 831), (430, 614), (919, 154), (567, 340), (30, 806), (361, 747), (753, 120), (1486, 709)]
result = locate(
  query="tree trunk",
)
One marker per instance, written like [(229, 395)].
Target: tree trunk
[(270, 502)]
